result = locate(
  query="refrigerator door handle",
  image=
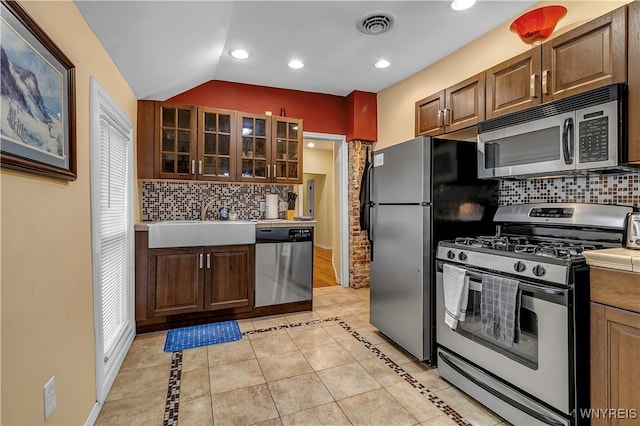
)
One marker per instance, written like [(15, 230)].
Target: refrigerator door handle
[(371, 228)]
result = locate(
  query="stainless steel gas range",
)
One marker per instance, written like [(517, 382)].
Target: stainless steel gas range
[(539, 374)]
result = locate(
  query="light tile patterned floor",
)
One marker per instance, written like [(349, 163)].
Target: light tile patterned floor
[(318, 373)]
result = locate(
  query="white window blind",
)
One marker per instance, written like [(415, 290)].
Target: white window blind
[(112, 236), (114, 262)]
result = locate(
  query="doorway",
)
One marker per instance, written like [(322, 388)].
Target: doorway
[(325, 166)]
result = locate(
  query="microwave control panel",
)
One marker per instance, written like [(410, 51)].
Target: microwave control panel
[(593, 132)]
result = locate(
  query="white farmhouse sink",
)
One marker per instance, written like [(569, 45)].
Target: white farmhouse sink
[(190, 233)]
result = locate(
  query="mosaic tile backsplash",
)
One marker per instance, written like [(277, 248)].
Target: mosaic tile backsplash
[(614, 189), (182, 200), (176, 200)]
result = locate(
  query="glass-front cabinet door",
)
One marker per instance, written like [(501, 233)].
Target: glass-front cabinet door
[(287, 150), (216, 144), (176, 153), (254, 156)]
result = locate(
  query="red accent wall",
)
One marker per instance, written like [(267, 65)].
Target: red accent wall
[(362, 116), (321, 113)]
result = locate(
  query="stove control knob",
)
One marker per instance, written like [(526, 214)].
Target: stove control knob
[(519, 266), (538, 271), (451, 254), (462, 256)]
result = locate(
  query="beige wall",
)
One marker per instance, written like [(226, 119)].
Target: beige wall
[(47, 294), (396, 114), (319, 164)]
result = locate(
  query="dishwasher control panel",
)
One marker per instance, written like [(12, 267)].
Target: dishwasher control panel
[(283, 234), (299, 234)]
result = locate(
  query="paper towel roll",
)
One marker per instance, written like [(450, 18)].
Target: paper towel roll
[(272, 206)]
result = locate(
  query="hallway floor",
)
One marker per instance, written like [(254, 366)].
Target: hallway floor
[(323, 273), (324, 367)]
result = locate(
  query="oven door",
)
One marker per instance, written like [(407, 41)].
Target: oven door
[(538, 363), (539, 147)]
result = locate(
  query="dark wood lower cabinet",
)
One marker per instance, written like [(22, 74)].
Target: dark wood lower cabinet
[(615, 347), (176, 281), (195, 279), (177, 287), (230, 280)]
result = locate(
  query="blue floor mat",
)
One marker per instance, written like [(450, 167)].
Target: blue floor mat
[(202, 335)]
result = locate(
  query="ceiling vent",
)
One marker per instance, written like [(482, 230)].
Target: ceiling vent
[(375, 24)]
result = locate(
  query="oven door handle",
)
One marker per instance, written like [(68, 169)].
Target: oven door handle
[(477, 277), (541, 417)]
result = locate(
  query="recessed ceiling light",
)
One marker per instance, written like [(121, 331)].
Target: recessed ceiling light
[(310, 145), (240, 54), (296, 64), (381, 63), (462, 4)]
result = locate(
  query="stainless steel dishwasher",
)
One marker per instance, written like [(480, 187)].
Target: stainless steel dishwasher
[(284, 265)]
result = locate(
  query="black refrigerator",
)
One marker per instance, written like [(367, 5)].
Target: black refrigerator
[(422, 191)]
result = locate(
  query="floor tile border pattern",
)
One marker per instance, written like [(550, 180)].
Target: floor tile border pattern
[(173, 393), (433, 398)]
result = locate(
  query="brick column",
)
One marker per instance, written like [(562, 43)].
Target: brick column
[(358, 242)]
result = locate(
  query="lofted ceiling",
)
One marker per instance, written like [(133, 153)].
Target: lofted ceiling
[(163, 48)]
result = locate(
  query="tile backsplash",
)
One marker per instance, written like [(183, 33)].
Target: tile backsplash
[(182, 200), (598, 189)]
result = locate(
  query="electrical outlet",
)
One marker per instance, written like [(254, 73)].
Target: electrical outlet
[(49, 397)]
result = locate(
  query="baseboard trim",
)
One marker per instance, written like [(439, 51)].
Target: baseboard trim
[(93, 415)]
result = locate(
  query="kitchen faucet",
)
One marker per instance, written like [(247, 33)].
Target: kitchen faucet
[(205, 208)]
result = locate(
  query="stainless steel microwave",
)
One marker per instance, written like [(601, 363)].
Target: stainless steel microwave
[(578, 135)]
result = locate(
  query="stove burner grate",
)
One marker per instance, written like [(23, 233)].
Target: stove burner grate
[(522, 244)]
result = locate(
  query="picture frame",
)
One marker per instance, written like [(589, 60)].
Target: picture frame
[(38, 115)]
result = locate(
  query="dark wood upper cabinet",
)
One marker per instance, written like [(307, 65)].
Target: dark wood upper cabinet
[(216, 144), (514, 84), (188, 142), (429, 120), (458, 107), (175, 141), (634, 81), (254, 147), (464, 103), (286, 150), (589, 56)]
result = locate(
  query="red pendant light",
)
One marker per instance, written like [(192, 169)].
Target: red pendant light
[(538, 24)]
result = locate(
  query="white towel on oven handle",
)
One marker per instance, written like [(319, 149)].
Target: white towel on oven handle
[(455, 283)]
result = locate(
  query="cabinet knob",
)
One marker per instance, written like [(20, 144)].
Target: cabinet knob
[(200, 167), (201, 260), (440, 120), (208, 260), (193, 167)]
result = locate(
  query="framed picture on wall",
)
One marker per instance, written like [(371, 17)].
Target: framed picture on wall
[(37, 123)]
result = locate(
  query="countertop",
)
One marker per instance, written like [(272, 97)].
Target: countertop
[(265, 223), (621, 259)]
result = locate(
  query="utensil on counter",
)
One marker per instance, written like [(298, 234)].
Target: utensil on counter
[(291, 200)]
